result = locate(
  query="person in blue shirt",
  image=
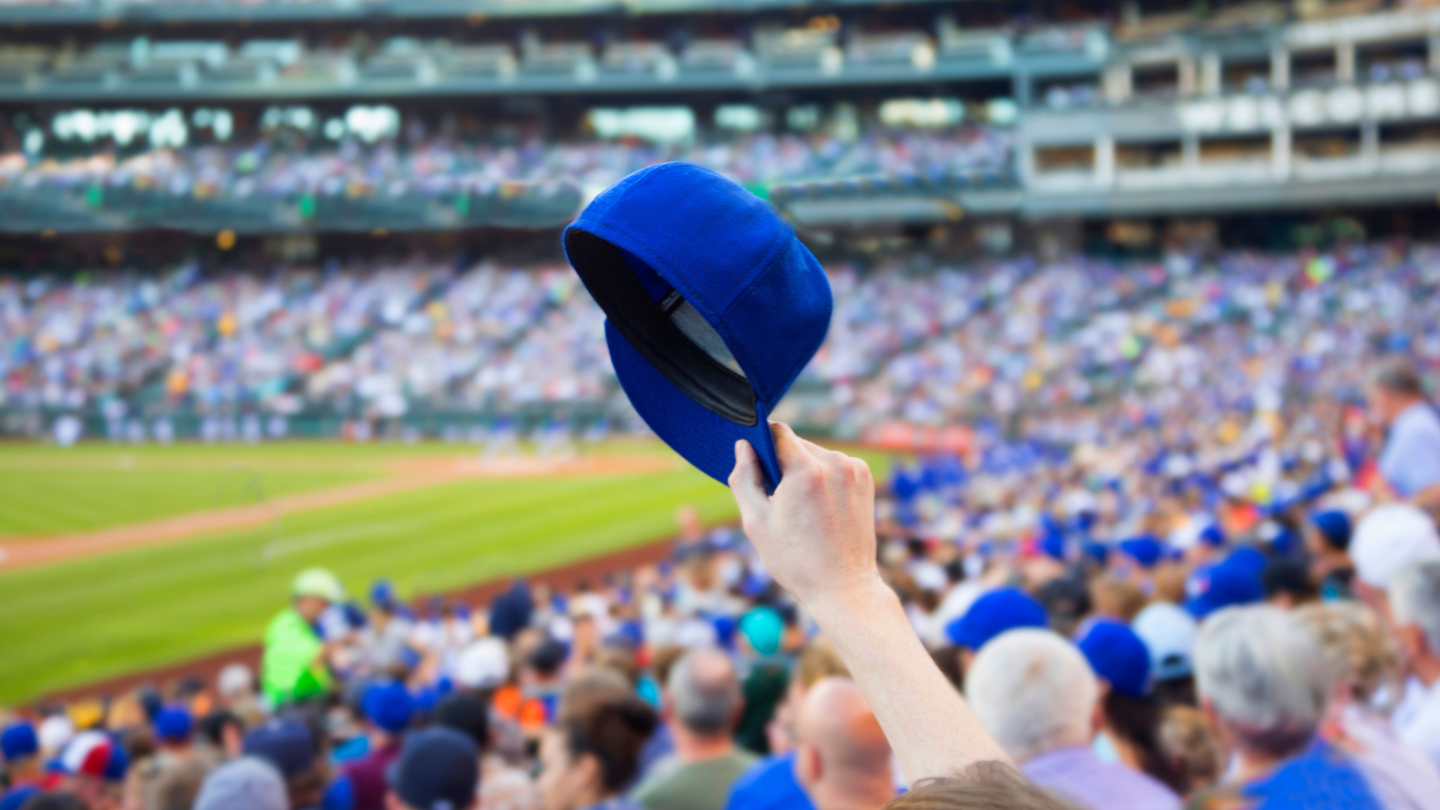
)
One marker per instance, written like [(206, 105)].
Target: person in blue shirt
[(1410, 462)]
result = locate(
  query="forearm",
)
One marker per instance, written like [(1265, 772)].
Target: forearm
[(928, 724)]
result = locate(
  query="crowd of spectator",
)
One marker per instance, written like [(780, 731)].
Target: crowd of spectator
[(1175, 613), (1077, 348), (1215, 582), (431, 165)]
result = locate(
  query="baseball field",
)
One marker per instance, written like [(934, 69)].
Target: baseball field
[(115, 559)]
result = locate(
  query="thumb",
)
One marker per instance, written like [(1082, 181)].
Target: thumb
[(747, 481)]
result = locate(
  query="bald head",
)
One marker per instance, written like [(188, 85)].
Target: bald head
[(844, 759), (705, 692)]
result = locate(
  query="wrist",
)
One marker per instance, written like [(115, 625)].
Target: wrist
[(866, 598)]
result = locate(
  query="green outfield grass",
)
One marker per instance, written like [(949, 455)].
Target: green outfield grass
[(75, 622), (46, 491)]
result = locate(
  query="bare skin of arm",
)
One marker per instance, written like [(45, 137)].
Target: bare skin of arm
[(816, 535)]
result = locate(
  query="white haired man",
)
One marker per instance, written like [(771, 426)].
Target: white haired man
[(1415, 610), (1265, 686), (1035, 692)]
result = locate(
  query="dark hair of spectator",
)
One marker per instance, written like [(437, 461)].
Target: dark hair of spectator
[(613, 732), (1176, 692), (982, 786), (1137, 722), (213, 725)]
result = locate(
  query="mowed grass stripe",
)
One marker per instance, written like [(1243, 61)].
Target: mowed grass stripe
[(88, 619), (40, 502)]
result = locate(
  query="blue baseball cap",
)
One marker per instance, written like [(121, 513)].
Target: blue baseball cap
[(1335, 527), (1218, 585), (389, 706), (1145, 550), (173, 724), (285, 743), (19, 741), (1118, 657), (712, 305), (437, 769), (994, 613)]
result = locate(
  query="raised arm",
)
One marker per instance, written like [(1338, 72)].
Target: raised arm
[(816, 535)]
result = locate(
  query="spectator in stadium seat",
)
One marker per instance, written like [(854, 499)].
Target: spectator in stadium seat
[(1037, 694), (1264, 684), (1410, 462), (388, 708), (702, 705), (437, 768), (222, 737), (1414, 595), (1130, 724), (20, 753), (1192, 747), (179, 768), (592, 754), (294, 665), (1327, 540), (247, 783), (1366, 666), (1169, 632), (290, 746), (767, 675), (93, 766), (772, 784), (844, 761)]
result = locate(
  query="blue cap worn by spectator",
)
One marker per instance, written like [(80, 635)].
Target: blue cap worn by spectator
[(382, 594), (388, 706), (438, 769), (1145, 551), (247, 783), (763, 629), (1249, 558), (1212, 535), (173, 724), (1223, 584), (1169, 634), (19, 741), (283, 742), (994, 613), (511, 611), (1118, 657), (1334, 528), (712, 306)]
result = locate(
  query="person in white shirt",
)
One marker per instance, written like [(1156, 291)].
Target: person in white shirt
[(1415, 610)]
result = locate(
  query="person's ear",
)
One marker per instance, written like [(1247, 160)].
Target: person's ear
[(587, 770), (807, 764), (1097, 715)]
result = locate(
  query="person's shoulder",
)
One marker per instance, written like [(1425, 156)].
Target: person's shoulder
[(769, 783)]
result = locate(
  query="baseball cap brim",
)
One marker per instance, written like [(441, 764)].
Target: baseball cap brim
[(701, 436)]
